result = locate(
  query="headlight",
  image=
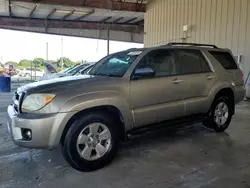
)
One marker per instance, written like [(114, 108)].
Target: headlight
[(35, 102)]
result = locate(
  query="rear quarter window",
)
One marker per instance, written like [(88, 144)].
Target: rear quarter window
[(225, 59)]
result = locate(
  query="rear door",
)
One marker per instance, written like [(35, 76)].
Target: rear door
[(198, 77)]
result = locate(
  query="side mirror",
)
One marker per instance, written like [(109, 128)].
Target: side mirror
[(144, 72)]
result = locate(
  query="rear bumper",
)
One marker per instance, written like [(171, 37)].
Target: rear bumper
[(239, 93)]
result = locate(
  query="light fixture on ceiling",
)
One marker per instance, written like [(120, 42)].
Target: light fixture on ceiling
[(69, 11)]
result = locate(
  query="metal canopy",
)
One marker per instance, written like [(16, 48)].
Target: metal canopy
[(85, 15)]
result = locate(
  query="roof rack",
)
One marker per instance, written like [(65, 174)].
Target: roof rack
[(190, 44)]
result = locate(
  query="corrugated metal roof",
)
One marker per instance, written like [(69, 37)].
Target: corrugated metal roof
[(22, 9)]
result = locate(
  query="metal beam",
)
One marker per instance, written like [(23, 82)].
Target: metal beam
[(130, 20), (106, 19), (85, 15), (141, 22), (139, 4), (10, 11), (7, 21), (32, 11), (51, 13), (108, 40), (68, 15), (118, 19), (104, 4)]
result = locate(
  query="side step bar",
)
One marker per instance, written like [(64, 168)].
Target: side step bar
[(165, 125)]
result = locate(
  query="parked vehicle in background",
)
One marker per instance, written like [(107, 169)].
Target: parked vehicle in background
[(247, 86), (34, 72), (123, 94), (65, 70), (85, 70), (10, 70), (77, 70), (2, 70)]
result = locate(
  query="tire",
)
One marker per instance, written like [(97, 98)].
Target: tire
[(84, 126), (224, 116)]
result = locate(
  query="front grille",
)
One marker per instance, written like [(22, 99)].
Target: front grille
[(16, 108), (17, 96)]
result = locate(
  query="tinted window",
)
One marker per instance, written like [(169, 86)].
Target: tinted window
[(76, 69), (161, 61), (116, 64), (225, 59), (191, 61)]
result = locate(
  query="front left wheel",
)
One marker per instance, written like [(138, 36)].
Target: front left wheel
[(91, 142)]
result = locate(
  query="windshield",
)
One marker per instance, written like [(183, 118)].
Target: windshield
[(65, 70), (116, 64), (77, 69)]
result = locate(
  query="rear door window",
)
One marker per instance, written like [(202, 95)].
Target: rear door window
[(191, 62), (225, 59)]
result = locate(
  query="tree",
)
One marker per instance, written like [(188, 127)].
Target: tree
[(66, 62), (25, 63), (12, 63), (38, 63)]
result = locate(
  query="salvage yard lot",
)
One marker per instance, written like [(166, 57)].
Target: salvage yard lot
[(186, 157)]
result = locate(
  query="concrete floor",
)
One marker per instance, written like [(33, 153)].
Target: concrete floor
[(189, 157)]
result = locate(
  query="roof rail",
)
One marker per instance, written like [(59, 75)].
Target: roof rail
[(132, 49), (191, 44)]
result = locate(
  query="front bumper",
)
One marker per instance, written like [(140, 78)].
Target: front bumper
[(41, 126)]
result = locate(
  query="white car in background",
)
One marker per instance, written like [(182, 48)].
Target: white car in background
[(32, 72), (74, 71)]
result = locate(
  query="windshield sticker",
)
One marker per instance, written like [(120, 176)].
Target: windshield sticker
[(135, 53)]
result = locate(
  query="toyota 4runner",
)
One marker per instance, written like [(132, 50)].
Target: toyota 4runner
[(90, 115)]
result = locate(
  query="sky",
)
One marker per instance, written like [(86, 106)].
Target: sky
[(18, 45)]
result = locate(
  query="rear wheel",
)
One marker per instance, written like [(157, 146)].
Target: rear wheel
[(91, 142), (220, 114)]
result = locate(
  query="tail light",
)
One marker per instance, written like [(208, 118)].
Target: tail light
[(243, 79)]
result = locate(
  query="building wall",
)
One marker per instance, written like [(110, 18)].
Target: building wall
[(225, 23)]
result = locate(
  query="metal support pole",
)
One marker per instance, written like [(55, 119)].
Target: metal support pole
[(35, 70), (108, 35), (62, 52), (47, 51), (31, 70)]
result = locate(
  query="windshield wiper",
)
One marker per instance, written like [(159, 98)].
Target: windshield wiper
[(102, 74)]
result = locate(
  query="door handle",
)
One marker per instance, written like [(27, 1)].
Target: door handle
[(210, 77), (177, 81)]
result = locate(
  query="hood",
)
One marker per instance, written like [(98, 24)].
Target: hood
[(64, 83), (52, 76)]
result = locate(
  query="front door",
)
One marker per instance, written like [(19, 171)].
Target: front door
[(157, 98)]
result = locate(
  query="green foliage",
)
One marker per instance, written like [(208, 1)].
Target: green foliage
[(25, 63), (12, 63), (66, 62), (19, 67), (38, 63)]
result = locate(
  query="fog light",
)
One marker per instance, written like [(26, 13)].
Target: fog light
[(26, 134)]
